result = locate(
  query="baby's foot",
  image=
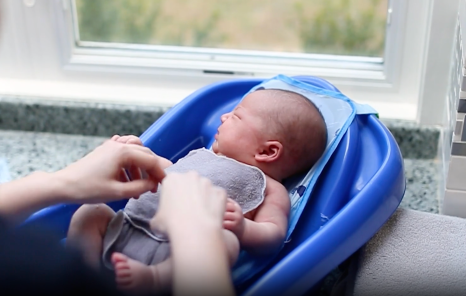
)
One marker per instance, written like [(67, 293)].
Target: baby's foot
[(133, 276)]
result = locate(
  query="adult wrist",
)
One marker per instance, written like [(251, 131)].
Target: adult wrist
[(64, 186), (189, 228)]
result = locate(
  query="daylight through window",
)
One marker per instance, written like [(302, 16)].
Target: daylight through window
[(331, 27)]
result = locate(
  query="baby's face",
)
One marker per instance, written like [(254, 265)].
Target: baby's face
[(239, 135)]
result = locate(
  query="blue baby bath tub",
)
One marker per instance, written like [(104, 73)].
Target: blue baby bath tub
[(359, 189)]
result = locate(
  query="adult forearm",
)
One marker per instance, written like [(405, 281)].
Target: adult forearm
[(200, 262), (21, 198), (98, 177)]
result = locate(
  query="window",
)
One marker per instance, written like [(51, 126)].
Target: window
[(231, 36), (158, 51), (274, 26)]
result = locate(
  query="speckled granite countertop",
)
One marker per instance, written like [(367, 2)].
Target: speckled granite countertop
[(25, 152), (105, 120)]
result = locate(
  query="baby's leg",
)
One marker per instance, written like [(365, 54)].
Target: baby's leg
[(87, 229), (138, 278)]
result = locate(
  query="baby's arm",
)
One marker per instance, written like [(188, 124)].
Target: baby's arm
[(265, 234)]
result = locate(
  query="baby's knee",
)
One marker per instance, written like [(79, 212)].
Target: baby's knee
[(94, 214)]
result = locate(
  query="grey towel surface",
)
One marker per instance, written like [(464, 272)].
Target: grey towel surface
[(244, 183)]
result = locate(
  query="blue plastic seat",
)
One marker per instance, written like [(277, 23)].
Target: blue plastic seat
[(359, 189)]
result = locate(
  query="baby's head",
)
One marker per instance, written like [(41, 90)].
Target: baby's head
[(280, 132)]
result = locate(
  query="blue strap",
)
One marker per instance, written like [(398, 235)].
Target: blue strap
[(365, 109)]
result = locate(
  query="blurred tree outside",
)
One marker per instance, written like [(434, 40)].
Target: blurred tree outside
[(109, 20), (349, 27)]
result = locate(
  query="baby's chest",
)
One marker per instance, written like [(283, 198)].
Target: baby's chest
[(251, 214), (244, 184)]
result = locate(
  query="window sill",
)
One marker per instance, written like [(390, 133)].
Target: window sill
[(152, 96)]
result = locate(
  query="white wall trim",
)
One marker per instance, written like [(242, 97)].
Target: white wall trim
[(38, 48), (436, 63)]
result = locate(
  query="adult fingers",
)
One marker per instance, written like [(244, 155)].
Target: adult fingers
[(156, 223), (218, 201), (134, 140), (145, 161), (123, 177), (135, 172), (132, 147), (221, 195), (133, 188)]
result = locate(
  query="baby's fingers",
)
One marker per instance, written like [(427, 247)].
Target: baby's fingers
[(230, 225), (129, 139), (230, 216), (230, 207)]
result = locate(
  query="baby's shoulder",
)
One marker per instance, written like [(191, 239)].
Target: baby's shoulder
[(276, 201), (274, 185), (275, 192)]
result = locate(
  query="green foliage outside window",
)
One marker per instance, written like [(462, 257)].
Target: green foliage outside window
[(349, 27)]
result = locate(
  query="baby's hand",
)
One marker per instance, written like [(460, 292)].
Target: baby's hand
[(129, 139), (234, 219)]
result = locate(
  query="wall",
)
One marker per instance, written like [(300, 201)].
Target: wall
[(454, 140)]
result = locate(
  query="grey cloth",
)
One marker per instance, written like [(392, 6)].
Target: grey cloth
[(244, 184), (122, 236), (414, 253), (129, 232)]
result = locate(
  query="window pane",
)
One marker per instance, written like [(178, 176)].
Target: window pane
[(342, 27)]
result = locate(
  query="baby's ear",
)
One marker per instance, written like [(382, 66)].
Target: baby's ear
[(269, 152)]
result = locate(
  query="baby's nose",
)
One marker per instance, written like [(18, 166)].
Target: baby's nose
[(224, 117)]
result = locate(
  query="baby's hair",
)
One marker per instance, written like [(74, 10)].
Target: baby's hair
[(300, 127)]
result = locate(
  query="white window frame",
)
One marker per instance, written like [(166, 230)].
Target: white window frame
[(222, 61), (41, 58)]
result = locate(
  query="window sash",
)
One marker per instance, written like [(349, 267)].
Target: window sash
[(223, 61)]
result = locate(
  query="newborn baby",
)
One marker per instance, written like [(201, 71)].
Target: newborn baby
[(270, 136)]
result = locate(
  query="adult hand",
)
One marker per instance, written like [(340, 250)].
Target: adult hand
[(191, 212), (100, 175), (189, 200), (132, 172)]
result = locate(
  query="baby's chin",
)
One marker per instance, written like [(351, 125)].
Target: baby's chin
[(215, 147)]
